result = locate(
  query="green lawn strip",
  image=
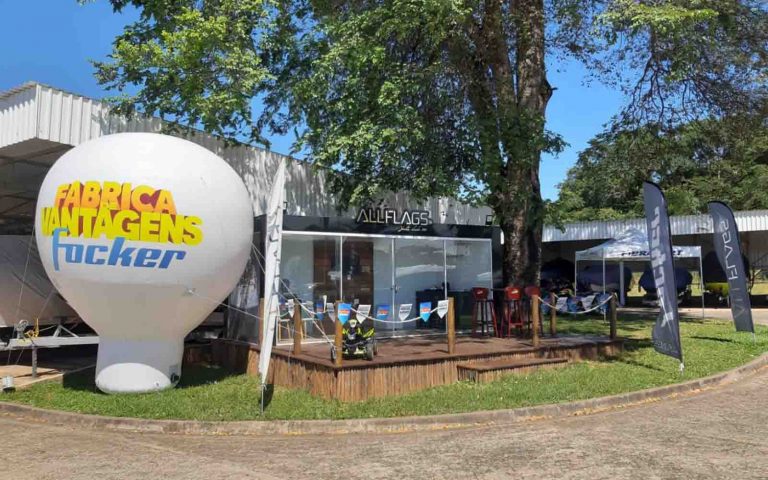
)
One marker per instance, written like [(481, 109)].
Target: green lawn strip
[(211, 394)]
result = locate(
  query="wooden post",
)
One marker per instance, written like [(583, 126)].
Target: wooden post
[(262, 320), (451, 320), (298, 328), (614, 315), (535, 320), (339, 338), (552, 316)]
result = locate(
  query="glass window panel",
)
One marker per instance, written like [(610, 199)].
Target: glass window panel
[(468, 265), (367, 274), (419, 277), (310, 275)]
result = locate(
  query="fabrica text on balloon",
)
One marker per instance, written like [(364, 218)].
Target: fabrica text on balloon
[(119, 212)]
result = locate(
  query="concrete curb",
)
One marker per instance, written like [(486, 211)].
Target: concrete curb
[(381, 425)]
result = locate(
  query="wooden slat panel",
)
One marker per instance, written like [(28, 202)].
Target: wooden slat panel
[(361, 380)]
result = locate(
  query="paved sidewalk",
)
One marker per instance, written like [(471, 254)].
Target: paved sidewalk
[(719, 433), (759, 315)]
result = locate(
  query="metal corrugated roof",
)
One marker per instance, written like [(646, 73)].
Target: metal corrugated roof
[(747, 221), (37, 111)]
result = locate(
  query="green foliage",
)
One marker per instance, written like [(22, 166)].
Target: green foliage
[(416, 94), (435, 97), (209, 394), (695, 163), (194, 66)]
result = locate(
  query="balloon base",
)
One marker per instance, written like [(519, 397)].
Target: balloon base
[(138, 366)]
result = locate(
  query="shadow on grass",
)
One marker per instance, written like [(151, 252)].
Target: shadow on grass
[(192, 376), (713, 339), (269, 392)]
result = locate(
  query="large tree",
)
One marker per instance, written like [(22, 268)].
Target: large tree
[(437, 97)]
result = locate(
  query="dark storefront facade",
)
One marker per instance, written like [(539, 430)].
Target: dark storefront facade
[(384, 258)]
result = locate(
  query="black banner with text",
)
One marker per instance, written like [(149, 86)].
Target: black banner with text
[(666, 332), (728, 249)]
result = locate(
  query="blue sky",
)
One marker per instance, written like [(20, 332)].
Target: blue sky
[(52, 41)]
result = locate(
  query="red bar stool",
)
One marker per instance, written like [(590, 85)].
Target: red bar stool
[(512, 314), (483, 312), (530, 291)]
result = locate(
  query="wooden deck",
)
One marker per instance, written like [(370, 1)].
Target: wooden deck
[(403, 365)]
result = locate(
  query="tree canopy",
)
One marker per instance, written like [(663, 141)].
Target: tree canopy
[(695, 163), (437, 97)]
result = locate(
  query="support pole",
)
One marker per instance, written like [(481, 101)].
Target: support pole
[(262, 319), (34, 361), (552, 316), (614, 315), (621, 283), (603, 270), (701, 284), (298, 328), (535, 320), (339, 337), (451, 320), (575, 274)]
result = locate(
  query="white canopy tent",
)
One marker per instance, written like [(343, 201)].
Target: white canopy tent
[(631, 246)]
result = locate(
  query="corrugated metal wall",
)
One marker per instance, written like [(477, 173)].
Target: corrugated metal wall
[(18, 115), (747, 221)]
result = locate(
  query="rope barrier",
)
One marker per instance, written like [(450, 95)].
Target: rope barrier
[(396, 321), (260, 257), (554, 307)]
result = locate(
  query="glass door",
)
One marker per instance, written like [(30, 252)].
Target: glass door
[(310, 275), (367, 276), (468, 265), (419, 277)]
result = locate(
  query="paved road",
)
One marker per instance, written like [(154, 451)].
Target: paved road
[(719, 433), (759, 315)]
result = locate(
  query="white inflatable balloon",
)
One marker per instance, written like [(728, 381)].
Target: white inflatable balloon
[(143, 234)]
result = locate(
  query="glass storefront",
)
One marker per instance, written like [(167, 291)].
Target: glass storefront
[(310, 274), (380, 270)]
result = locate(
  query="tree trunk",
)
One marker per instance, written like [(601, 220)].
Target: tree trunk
[(519, 205), (520, 213)]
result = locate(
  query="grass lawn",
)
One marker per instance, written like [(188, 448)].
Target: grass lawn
[(210, 394)]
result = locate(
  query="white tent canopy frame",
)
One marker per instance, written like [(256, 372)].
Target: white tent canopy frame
[(632, 246)]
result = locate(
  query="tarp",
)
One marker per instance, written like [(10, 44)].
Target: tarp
[(683, 278), (29, 294), (632, 244)]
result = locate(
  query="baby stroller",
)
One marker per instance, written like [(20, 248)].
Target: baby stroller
[(356, 342)]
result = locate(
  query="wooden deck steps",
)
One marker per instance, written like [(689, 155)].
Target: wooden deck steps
[(487, 371)]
